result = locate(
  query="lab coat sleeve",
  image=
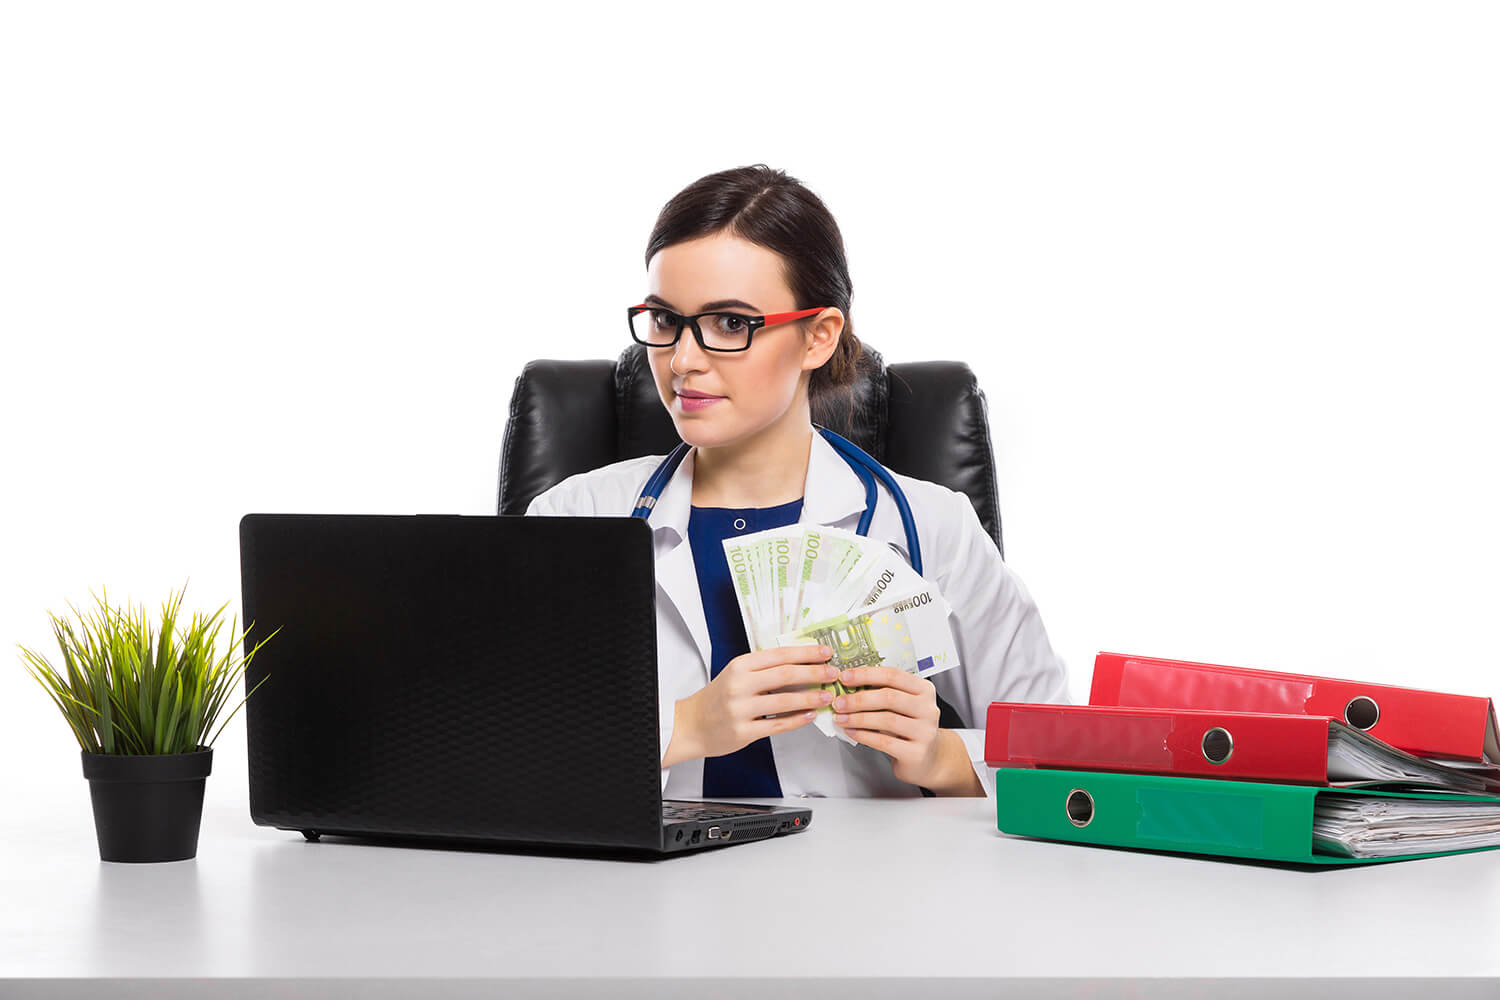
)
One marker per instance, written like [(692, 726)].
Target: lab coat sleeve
[(552, 503), (562, 500), (1002, 645)]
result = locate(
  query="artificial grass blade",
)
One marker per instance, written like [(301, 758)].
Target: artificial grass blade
[(126, 688)]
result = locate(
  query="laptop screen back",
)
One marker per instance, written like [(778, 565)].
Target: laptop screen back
[(489, 677)]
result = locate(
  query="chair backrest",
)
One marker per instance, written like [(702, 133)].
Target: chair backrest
[(926, 419)]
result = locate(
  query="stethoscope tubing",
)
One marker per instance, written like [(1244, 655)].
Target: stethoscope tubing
[(865, 467)]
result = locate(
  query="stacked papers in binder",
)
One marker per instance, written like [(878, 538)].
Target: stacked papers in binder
[(1457, 729), (1246, 819), (1297, 749), (1181, 756)]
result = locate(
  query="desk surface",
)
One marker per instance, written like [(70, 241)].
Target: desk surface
[(874, 895)]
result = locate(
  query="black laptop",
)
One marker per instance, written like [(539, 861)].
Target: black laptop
[(487, 679)]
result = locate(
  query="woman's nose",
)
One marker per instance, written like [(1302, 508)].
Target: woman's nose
[(687, 355)]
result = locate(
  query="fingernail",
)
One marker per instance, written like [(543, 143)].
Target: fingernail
[(831, 673), (825, 650), (825, 696), (841, 719), (838, 703), (808, 715)]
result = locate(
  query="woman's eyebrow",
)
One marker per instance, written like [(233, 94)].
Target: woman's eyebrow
[(708, 307)]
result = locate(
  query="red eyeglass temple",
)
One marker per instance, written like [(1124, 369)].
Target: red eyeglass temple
[(770, 318), (788, 317)]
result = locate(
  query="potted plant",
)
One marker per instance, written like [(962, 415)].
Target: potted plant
[(140, 705)]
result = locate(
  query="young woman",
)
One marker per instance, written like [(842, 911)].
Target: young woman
[(748, 246)]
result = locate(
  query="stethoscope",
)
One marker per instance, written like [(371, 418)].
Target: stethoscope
[(865, 467)]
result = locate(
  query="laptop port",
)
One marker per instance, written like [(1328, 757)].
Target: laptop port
[(726, 835), (713, 833), (697, 836), (679, 834)]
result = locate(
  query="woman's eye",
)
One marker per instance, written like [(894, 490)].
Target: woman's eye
[(730, 323), (663, 320)]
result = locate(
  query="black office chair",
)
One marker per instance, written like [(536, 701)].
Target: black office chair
[(927, 419)]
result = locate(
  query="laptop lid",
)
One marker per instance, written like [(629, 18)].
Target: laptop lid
[(486, 677)]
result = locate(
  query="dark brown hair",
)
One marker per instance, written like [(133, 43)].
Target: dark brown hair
[(770, 209)]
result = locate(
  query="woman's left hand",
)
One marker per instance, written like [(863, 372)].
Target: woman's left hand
[(898, 715)]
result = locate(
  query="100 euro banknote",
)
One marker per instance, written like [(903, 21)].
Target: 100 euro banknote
[(908, 631), (786, 578), (762, 567)]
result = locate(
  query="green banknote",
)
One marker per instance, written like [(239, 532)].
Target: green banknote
[(740, 554), (806, 584), (908, 631), (826, 558), (763, 568)]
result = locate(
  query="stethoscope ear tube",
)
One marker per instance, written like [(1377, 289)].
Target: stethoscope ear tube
[(651, 492), (856, 456), (864, 466)]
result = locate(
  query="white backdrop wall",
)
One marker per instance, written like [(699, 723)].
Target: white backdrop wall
[(1227, 273)]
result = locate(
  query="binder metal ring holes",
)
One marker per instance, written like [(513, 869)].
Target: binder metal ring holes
[(1362, 712), (1080, 808), (1217, 745)]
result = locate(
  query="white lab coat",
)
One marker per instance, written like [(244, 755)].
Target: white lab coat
[(1003, 650)]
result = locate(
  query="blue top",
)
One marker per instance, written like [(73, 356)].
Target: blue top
[(751, 770)]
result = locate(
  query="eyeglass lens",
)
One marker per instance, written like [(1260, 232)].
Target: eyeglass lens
[(721, 331)]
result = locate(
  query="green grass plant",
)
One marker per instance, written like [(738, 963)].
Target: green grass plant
[(125, 689)]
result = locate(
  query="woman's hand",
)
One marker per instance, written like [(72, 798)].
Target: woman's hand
[(732, 710), (898, 715)]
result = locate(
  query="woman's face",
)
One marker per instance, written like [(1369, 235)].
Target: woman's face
[(752, 389)]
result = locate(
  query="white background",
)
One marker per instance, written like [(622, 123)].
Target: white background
[(1227, 273)]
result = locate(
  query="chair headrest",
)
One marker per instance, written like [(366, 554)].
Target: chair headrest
[(925, 419)]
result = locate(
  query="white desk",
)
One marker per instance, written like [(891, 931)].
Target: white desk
[(913, 898)]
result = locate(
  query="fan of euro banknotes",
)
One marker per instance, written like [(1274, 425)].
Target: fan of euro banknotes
[(810, 584)]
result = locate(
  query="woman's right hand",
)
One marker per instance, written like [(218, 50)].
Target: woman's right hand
[(730, 712)]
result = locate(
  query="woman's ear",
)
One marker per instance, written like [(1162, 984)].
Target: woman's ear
[(822, 337)]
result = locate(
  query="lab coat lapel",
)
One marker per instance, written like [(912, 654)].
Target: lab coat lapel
[(833, 492), (836, 496), (675, 570)]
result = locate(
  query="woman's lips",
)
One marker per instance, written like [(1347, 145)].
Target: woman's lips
[(692, 404)]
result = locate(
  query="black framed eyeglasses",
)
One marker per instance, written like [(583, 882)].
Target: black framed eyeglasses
[(714, 331)]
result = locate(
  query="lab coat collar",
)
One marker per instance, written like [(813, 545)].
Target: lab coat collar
[(831, 493)]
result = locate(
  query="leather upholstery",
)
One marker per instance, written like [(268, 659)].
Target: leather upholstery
[(926, 419)]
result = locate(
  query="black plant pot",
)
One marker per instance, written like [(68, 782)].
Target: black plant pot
[(147, 807)]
